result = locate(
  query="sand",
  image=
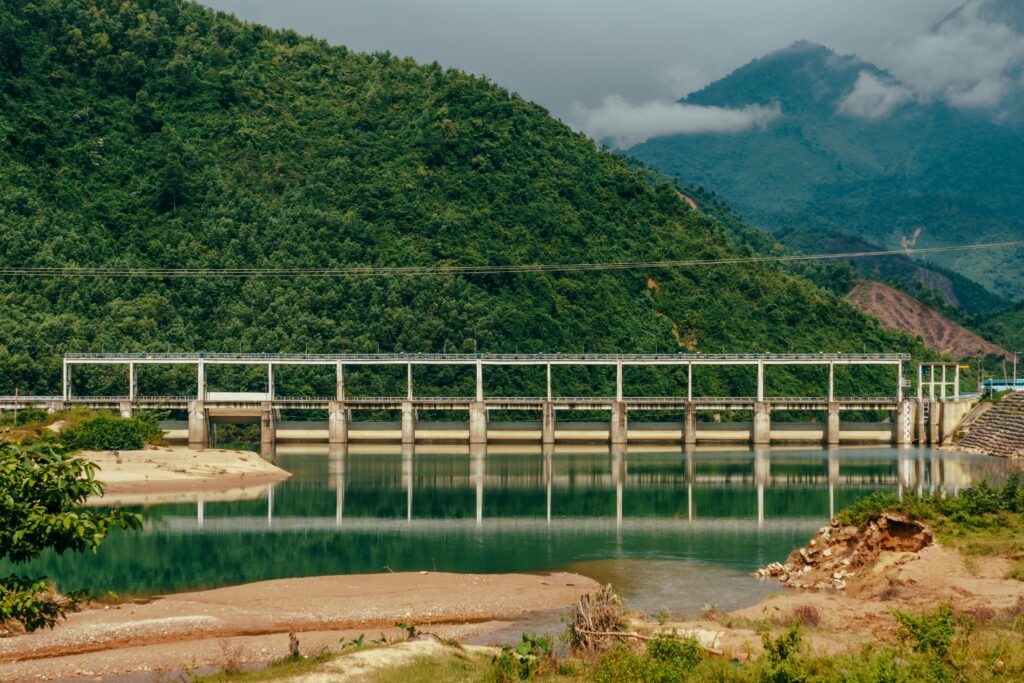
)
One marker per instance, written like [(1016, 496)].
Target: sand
[(155, 475), (248, 624), (862, 613)]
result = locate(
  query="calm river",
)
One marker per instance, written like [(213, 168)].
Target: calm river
[(671, 530)]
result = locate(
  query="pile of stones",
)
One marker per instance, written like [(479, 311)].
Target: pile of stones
[(1000, 431), (838, 553)]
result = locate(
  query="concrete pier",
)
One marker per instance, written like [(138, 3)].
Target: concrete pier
[(198, 429), (408, 422), (477, 422), (547, 429), (268, 426), (619, 426), (903, 423), (832, 428), (762, 431), (337, 423), (690, 426), (125, 408)]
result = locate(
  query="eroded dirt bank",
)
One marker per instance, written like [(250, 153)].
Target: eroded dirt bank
[(250, 623)]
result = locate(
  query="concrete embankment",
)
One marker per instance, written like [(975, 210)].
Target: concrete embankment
[(1000, 431)]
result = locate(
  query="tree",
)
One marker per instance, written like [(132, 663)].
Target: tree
[(42, 489)]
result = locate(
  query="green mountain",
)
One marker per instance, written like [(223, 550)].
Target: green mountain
[(158, 133), (856, 153)]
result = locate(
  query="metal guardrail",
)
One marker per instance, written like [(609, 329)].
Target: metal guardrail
[(459, 399), (472, 358)]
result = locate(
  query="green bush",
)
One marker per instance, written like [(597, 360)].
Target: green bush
[(105, 432), (667, 659), (23, 417), (932, 632), (867, 509)]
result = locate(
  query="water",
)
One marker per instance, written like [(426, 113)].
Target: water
[(672, 530)]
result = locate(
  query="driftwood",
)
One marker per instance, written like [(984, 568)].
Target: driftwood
[(593, 615)]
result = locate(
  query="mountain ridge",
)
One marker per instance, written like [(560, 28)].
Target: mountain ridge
[(922, 169), (158, 133)]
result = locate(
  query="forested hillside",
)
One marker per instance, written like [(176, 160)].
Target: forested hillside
[(909, 171), (159, 133)]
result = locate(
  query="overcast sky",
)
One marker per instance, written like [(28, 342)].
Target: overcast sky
[(604, 66)]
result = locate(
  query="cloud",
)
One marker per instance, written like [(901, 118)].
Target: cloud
[(873, 98), (628, 124), (970, 59)]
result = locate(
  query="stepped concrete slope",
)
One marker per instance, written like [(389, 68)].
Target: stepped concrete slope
[(1000, 431), (897, 310)]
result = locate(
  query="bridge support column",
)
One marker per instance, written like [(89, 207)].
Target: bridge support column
[(198, 431), (934, 422), (125, 408), (690, 425), (54, 407), (268, 426), (832, 428), (920, 430), (619, 423), (337, 423), (950, 419), (903, 424), (547, 428), (478, 422), (408, 422), (762, 424)]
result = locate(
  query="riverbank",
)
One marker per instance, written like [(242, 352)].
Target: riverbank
[(156, 474), (249, 624)]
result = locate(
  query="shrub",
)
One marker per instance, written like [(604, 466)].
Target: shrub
[(782, 661), (673, 658), (932, 632), (622, 665), (866, 509), (104, 432), (40, 509)]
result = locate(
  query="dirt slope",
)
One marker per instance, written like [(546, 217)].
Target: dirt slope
[(899, 311)]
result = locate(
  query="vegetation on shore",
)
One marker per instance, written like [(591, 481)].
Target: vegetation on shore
[(83, 429), (42, 491)]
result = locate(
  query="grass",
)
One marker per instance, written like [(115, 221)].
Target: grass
[(283, 668)]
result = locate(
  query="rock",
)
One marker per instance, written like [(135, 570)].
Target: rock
[(827, 552)]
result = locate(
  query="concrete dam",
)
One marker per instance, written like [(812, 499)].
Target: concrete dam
[(930, 418)]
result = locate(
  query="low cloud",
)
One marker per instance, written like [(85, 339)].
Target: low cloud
[(873, 98), (627, 124), (971, 59)]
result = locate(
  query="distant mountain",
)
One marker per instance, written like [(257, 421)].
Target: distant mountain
[(857, 153)]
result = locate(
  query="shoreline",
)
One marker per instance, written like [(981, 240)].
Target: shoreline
[(188, 630), (164, 474)]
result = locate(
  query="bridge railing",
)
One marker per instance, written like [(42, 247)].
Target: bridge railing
[(494, 357)]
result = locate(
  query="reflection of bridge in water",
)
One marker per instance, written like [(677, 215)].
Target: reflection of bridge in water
[(206, 407), (627, 474)]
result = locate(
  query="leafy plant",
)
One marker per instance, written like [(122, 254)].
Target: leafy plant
[(104, 431), (42, 489)]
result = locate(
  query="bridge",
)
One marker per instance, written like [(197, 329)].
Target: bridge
[(205, 407)]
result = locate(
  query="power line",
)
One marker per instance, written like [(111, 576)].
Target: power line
[(375, 271)]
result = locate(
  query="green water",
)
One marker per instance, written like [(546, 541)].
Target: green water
[(673, 529)]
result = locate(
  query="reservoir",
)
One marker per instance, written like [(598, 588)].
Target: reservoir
[(673, 529)]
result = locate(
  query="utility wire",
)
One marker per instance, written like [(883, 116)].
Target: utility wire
[(374, 271)]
